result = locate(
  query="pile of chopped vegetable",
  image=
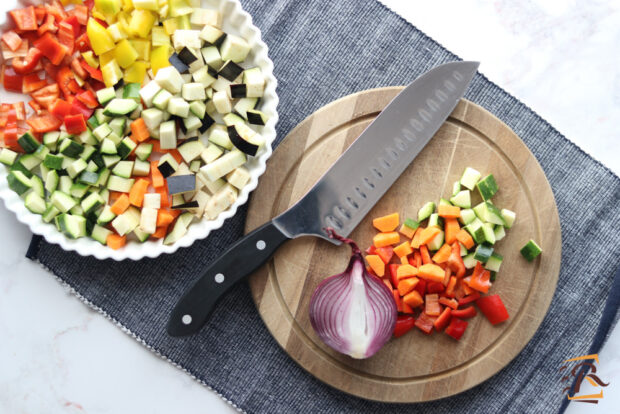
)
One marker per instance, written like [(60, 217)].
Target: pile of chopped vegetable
[(141, 116), (448, 260)]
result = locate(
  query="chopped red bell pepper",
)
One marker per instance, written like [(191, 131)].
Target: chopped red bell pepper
[(75, 25), (20, 110), (25, 19), (81, 14), (416, 260), (57, 10), (46, 96), (32, 82), (60, 108), (75, 124), (97, 75), (385, 253), (83, 43), (469, 298), (480, 279), (12, 40), (493, 308), (51, 48), (468, 312), (77, 107), (64, 78), (27, 64), (457, 327), (66, 36), (40, 13), (442, 320), (371, 250), (435, 287), (77, 68), (10, 138), (44, 123), (421, 287), (455, 261), (35, 107), (425, 323), (12, 81), (89, 99), (393, 269), (404, 323), (48, 26)]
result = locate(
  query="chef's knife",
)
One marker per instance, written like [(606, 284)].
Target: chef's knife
[(344, 194)]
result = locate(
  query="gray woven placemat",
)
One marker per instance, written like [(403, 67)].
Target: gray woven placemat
[(324, 50)]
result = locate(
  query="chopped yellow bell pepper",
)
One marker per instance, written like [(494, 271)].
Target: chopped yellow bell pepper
[(106, 58), (90, 58), (174, 23), (117, 32), (125, 54), (99, 37), (159, 37), (143, 47), (136, 73), (112, 73), (108, 7), (141, 22), (159, 58), (147, 5), (128, 5), (179, 8)]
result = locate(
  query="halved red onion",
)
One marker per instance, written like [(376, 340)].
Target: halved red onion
[(353, 312)]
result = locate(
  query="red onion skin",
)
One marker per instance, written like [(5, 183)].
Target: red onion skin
[(329, 306)]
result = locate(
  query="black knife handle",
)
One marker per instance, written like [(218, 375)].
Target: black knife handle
[(239, 261)]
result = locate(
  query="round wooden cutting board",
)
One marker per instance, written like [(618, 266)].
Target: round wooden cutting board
[(414, 367)]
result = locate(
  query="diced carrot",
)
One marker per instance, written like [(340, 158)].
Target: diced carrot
[(406, 308), (404, 260), (139, 131), (165, 199), (406, 271), (136, 194), (156, 178), (425, 255), (452, 303), (114, 241), (164, 218), (451, 227), (387, 223), (428, 234), (376, 264), (386, 239), (481, 282), (442, 254), (415, 242), (431, 272), (156, 145), (465, 238), (406, 231), (160, 232), (403, 249), (176, 155), (407, 285), (443, 320), (413, 299), (431, 304), (399, 305), (120, 205), (447, 211), (450, 288), (115, 195)]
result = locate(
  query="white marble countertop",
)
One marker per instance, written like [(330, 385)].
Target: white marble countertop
[(558, 56)]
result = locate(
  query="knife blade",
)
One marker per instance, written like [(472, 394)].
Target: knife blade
[(344, 194)]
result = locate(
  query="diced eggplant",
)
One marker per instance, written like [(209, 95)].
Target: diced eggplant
[(179, 184), (256, 117), (243, 144), (187, 205), (230, 70), (207, 121), (177, 63), (187, 56), (165, 169), (238, 90)]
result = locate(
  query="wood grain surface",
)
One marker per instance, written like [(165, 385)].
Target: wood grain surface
[(414, 367)]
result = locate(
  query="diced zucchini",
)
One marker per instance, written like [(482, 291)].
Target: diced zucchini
[(18, 182), (461, 199), (89, 178), (62, 201), (508, 217), (444, 202), (489, 233), (76, 167), (120, 107), (29, 161), (35, 203), (180, 228), (70, 148), (494, 262), (426, 210), (37, 185), (488, 213), (127, 222), (51, 181), (64, 184), (500, 232), (50, 140), (437, 242), (456, 188), (110, 160), (143, 151), (118, 125), (141, 168), (78, 190), (41, 152), (123, 169), (435, 220), (198, 108), (467, 216), (106, 95), (28, 142), (91, 203), (125, 147), (161, 99), (483, 253), (469, 261), (106, 215), (475, 229), (50, 212), (531, 250), (100, 234), (72, 225), (487, 187), (116, 183), (470, 178)]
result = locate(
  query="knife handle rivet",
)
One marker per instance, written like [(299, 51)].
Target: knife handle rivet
[(260, 245), (219, 278), (186, 319)]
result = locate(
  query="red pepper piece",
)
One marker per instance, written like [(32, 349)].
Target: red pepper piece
[(97, 75), (75, 124), (425, 323), (455, 261), (64, 78), (468, 312), (46, 96), (78, 108), (66, 36), (32, 82), (404, 323), (89, 99), (442, 320), (385, 253), (44, 123), (393, 269), (27, 64), (12, 40), (493, 308), (12, 81), (48, 26), (421, 287), (435, 287), (25, 19), (457, 327), (51, 48), (60, 108), (469, 298)]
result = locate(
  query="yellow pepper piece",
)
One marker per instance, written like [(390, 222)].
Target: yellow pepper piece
[(106, 58), (136, 73), (159, 37), (159, 58), (127, 5), (123, 21), (112, 73), (99, 37), (90, 58), (141, 22), (125, 54), (108, 7), (147, 5), (143, 47)]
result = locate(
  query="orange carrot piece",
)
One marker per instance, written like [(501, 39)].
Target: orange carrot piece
[(386, 239), (160, 232), (406, 308), (415, 242), (428, 234), (451, 227), (406, 271), (136, 194), (407, 285), (139, 131), (176, 155), (120, 205), (426, 256), (164, 218), (464, 238), (450, 303), (413, 299), (431, 272), (387, 223), (156, 178), (431, 304), (442, 254), (404, 260), (115, 195), (114, 241), (447, 211), (377, 265), (403, 249), (156, 145)]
